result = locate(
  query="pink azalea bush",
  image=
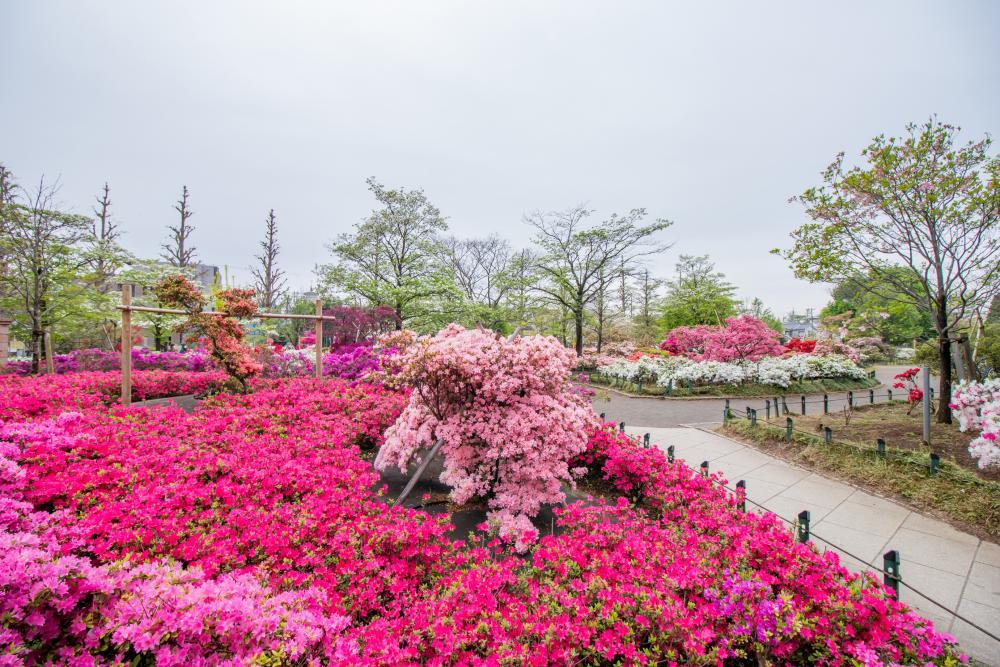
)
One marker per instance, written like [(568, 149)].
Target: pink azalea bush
[(742, 339), (506, 413), (978, 406)]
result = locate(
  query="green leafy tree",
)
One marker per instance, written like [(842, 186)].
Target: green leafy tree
[(143, 275), (918, 206), (576, 259), (756, 308), (46, 272), (698, 295), (876, 311), (395, 257)]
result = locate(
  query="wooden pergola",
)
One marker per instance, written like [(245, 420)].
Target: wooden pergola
[(127, 309)]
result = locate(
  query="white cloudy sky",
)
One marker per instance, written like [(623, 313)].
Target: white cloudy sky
[(710, 114)]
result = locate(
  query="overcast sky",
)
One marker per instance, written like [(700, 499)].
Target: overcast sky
[(709, 114)]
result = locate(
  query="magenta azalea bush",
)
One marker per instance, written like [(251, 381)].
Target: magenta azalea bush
[(94, 359), (506, 413), (253, 531)]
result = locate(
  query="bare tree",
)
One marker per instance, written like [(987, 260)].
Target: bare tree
[(105, 238), (574, 256), (177, 250), (484, 271), (269, 279), (43, 258)]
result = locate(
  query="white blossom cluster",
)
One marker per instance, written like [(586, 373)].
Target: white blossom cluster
[(774, 371)]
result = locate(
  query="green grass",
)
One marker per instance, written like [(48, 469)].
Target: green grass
[(722, 390), (968, 501)]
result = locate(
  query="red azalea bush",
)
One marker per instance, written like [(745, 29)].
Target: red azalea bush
[(222, 334), (248, 532)]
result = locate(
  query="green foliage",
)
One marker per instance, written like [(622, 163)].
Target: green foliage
[(395, 257), (757, 309), (698, 295), (877, 310)]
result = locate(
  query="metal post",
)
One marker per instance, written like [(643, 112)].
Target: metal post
[(725, 416), (880, 448), (319, 338), (126, 362), (704, 469), (788, 429), (741, 493), (890, 570), (803, 406), (871, 396), (670, 387), (826, 404), (927, 405), (935, 465), (767, 408), (784, 405), (850, 400), (803, 526), (670, 454), (753, 417), (828, 434), (645, 440), (890, 395), (747, 412)]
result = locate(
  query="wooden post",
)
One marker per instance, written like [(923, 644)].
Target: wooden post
[(319, 338), (126, 362), (50, 363), (4, 340)]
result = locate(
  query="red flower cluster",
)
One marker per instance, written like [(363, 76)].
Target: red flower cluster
[(908, 378), (800, 346)]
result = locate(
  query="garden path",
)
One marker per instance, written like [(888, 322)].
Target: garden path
[(955, 568), (654, 411)]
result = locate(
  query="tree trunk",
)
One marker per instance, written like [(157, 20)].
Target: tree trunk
[(36, 350), (944, 385), (578, 333)]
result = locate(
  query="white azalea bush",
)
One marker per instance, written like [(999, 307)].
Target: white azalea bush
[(773, 371)]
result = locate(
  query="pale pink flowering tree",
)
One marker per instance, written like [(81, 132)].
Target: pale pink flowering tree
[(506, 415)]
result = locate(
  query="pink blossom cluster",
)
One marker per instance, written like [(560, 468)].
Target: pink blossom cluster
[(506, 414), (740, 340), (978, 406)]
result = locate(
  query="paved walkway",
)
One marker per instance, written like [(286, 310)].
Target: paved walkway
[(955, 568), (666, 412)]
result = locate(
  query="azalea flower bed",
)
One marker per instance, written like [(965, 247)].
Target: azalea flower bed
[(253, 531), (772, 371)]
